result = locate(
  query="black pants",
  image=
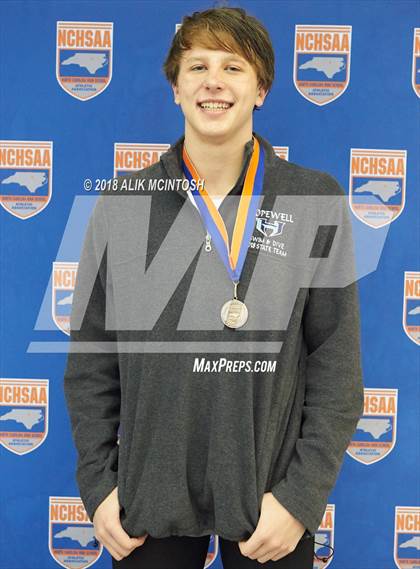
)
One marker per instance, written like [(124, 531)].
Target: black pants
[(190, 553)]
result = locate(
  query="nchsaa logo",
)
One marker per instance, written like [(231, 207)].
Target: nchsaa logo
[(324, 538), (281, 152), (377, 185), (71, 535), (415, 81), (212, 551), (63, 282), (411, 305), (406, 537), (23, 414), (25, 176), (321, 69), (136, 156), (84, 58), (376, 431)]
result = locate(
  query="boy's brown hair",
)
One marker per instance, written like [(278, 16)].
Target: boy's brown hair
[(225, 28)]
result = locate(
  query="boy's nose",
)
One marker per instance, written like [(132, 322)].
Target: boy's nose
[(213, 80)]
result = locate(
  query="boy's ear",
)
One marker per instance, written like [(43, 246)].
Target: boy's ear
[(176, 94), (262, 93)]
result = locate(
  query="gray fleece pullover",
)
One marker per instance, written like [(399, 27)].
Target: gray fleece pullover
[(210, 418)]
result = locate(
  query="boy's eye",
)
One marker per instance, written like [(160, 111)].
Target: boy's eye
[(199, 67)]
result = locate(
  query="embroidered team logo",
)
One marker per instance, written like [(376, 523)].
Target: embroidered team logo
[(25, 176), (376, 431), (63, 282), (407, 537), (71, 538), (322, 62), (269, 228), (270, 224), (411, 305), (324, 538), (84, 58), (133, 157), (23, 414), (377, 185), (281, 152), (415, 81)]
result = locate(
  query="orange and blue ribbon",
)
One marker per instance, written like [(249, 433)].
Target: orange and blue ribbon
[(234, 257)]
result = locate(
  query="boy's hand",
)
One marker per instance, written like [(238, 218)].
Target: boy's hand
[(109, 531), (276, 535)]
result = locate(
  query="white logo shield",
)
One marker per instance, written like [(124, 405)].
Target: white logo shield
[(411, 305), (25, 176), (84, 55), (376, 431), (321, 69), (71, 534), (377, 185), (23, 414), (63, 282)]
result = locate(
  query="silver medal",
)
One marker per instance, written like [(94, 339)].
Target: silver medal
[(234, 313)]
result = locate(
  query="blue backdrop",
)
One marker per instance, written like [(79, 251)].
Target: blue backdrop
[(72, 112)]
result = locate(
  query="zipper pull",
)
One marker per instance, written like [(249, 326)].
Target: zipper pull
[(208, 241)]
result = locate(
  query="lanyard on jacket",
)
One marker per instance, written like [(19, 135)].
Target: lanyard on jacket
[(234, 313)]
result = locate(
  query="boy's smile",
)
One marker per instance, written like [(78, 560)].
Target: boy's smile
[(217, 91), (214, 106)]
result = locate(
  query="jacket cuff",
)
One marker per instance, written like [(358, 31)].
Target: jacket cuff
[(293, 504), (92, 498)]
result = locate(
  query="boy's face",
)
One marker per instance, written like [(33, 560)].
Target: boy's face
[(207, 77)]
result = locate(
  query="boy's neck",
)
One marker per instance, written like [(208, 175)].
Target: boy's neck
[(218, 162)]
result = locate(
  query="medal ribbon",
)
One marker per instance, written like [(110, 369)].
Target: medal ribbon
[(233, 258)]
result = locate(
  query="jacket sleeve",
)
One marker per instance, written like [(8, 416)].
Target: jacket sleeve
[(91, 379), (334, 386)]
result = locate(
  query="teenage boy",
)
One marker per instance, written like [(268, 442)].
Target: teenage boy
[(248, 446)]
